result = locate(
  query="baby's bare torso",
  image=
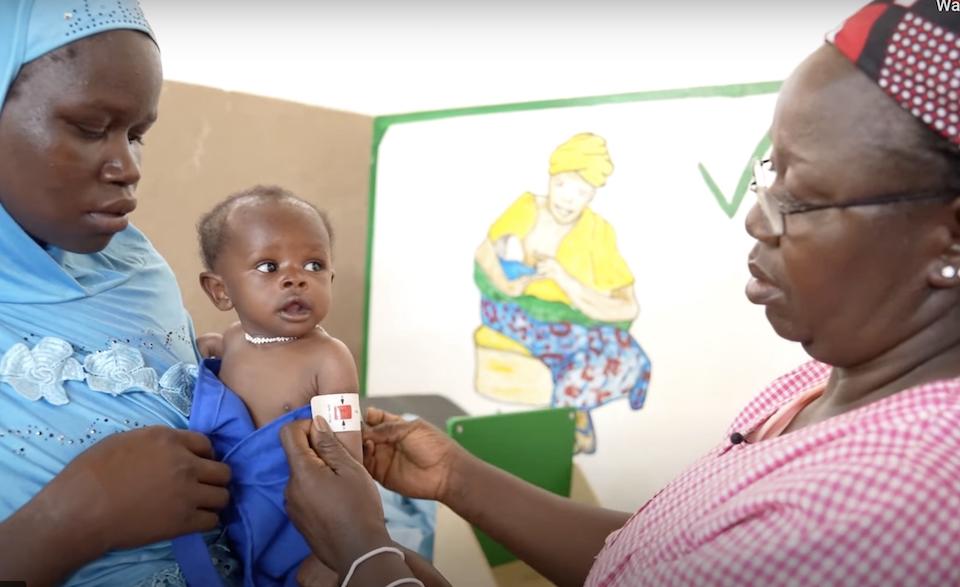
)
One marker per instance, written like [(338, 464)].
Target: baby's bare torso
[(274, 378)]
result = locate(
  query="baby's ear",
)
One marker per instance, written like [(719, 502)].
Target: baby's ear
[(216, 290)]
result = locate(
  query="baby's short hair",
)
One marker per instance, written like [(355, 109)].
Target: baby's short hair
[(210, 228)]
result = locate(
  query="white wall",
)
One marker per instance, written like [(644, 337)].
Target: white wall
[(380, 57)]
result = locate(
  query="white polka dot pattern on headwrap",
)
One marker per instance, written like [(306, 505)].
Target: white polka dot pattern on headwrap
[(911, 49), (921, 72)]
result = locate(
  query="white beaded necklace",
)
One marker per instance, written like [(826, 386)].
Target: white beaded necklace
[(268, 339), (272, 339)]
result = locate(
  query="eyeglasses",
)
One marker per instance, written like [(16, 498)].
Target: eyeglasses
[(776, 211)]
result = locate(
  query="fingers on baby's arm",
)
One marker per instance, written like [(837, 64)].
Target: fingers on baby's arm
[(389, 432), (377, 425), (376, 416), (295, 438), (369, 450), (373, 416), (327, 446)]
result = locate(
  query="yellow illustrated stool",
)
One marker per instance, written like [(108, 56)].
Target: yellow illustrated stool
[(507, 372)]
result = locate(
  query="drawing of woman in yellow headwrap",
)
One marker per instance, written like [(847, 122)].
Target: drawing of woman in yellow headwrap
[(558, 298)]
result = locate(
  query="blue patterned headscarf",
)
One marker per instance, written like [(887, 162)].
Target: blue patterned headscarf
[(90, 344)]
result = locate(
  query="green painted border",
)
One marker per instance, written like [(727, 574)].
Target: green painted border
[(381, 124)]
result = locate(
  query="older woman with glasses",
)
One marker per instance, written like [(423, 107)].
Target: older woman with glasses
[(845, 470)]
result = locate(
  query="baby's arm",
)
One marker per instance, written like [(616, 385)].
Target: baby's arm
[(336, 372)]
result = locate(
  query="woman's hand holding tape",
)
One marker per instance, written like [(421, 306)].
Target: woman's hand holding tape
[(330, 497)]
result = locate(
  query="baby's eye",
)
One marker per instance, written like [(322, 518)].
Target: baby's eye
[(267, 267), (314, 266)]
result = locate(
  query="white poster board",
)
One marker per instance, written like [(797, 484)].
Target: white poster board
[(441, 183)]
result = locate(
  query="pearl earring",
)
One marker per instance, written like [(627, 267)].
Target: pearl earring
[(949, 272)]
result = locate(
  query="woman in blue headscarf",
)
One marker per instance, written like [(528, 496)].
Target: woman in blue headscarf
[(97, 353)]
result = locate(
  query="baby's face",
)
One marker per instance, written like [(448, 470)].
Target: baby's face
[(277, 267)]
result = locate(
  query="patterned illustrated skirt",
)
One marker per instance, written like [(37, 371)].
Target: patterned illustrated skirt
[(590, 365)]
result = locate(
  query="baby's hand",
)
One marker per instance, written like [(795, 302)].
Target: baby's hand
[(210, 345)]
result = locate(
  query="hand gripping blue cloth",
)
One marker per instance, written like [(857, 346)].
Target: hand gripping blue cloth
[(269, 546)]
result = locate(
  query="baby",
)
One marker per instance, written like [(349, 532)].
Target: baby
[(268, 255)]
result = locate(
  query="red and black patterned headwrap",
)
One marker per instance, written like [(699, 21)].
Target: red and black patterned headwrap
[(911, 49)]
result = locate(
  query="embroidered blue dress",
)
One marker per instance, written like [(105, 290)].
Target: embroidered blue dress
[(90, 345)]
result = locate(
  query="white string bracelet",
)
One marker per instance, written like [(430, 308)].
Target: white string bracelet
[(365, 557), (406, 581)]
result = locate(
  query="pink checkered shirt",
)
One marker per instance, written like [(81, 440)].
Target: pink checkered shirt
[(870, 497)]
